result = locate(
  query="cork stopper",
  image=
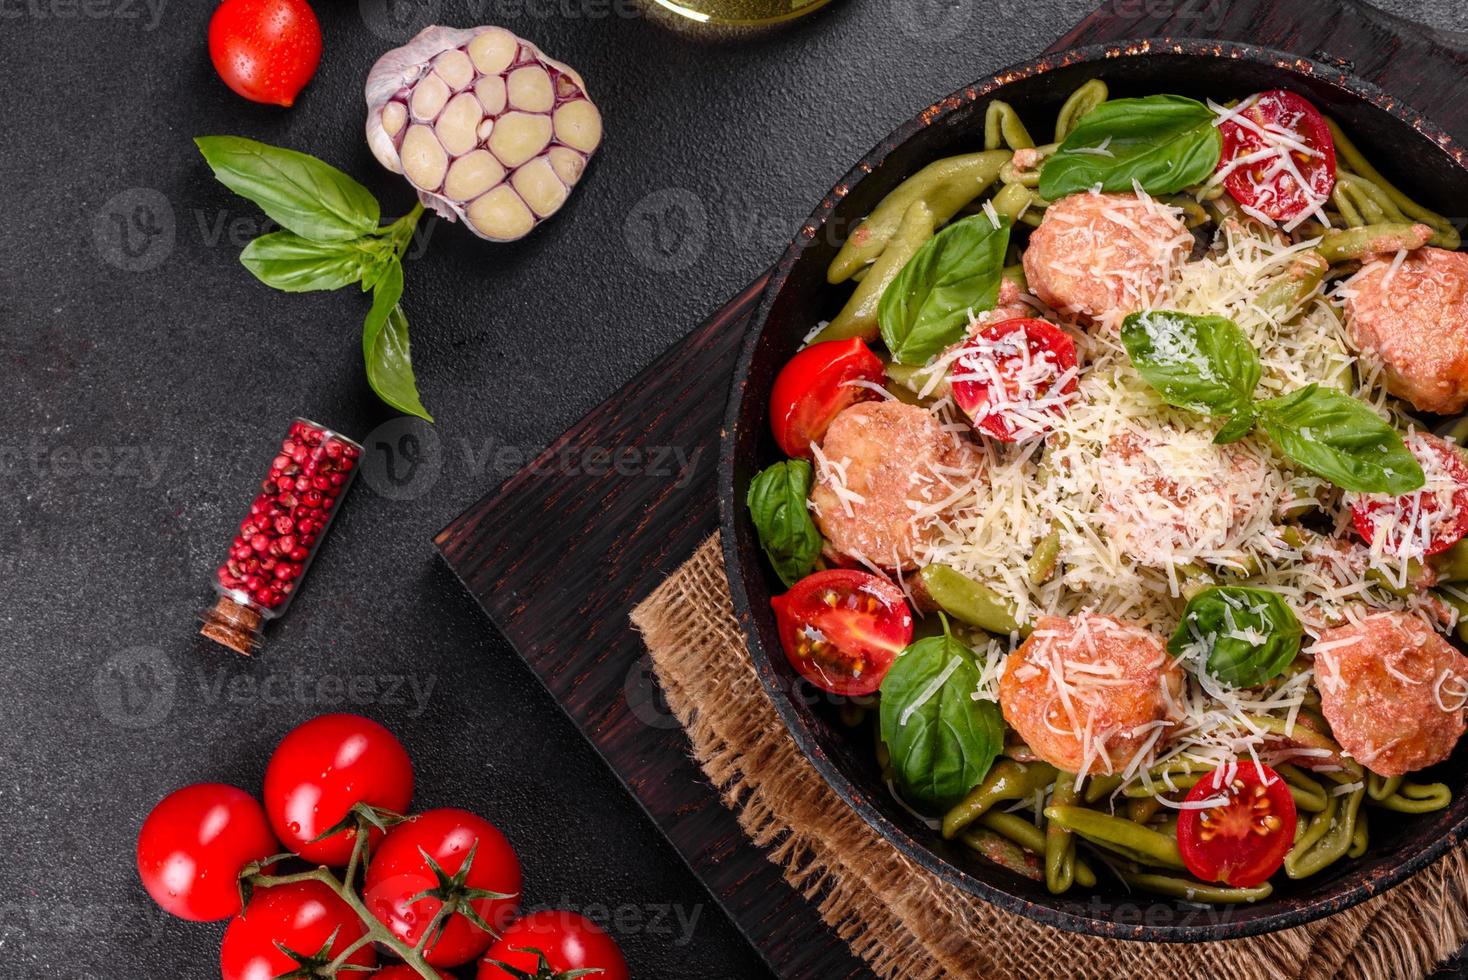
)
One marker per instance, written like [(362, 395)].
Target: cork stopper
[(233, 625)]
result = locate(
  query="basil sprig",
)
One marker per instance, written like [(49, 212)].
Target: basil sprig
[(331, 238), (1162, 142), (927, 307), (1206, 364), (941, 741), (777, 505), (1248, 636)]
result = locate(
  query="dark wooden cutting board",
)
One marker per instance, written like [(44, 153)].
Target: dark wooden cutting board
[(561, 552)]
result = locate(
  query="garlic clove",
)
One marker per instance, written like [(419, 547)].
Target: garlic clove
[(491, 92), (518, 136), (530, 88), (429, 98), (501, 215), (458, 124), (471, 175), (539, 187), (394, 117), (455, 68), (567, 163), (424, 159), (494, 50), (578, 125)]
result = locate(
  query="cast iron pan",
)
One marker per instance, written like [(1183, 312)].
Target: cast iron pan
[(1409, 149)]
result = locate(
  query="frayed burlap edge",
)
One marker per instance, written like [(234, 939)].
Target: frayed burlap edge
[(906, 923)]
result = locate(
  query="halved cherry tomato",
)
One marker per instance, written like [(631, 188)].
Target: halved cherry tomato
[(1423, 522), (1275, 143), (1006, 375), (1242, 840), (815, 387), (842, 629)]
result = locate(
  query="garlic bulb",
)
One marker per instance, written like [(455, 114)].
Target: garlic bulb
[(484, 125)]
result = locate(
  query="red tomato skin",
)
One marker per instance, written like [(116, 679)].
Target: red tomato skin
[(1367, 505), (397, 872), (194, 844), (1319, 173), (876, 647), (1220, 859), (1040, 336), (265, 50), (301, 916), (568, 940), (324, 767), (811, 390)]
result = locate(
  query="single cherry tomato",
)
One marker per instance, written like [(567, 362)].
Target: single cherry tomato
[(841, 629), (195, 843), (307, 918), (325, 767), (1006, 377), (815, 387), (567, 941), (1244, 838), (265, 50), (1426, 521), (399, 872), (1278, 156)]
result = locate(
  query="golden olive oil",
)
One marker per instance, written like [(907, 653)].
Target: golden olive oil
[(742, 11)]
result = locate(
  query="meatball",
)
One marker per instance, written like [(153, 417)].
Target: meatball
[(1413, 317), (1173, 491), (1088, 693), (1101, 256), (883, 469), (1393, 691)]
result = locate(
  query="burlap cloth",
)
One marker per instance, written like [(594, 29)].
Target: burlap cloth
[(906, 923)]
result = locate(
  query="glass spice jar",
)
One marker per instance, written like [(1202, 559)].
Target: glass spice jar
[(276, 542)]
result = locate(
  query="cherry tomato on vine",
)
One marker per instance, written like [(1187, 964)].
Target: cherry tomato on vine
[(305, 917), (321, 770), (1281, 155), (568, 941), (842, 628), (1244, 838), (815, 386), (398, 873), (194, 844), (265, 50), (1005, 379), (401, 971), (1426, 521)]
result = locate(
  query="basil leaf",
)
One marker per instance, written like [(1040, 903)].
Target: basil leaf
[(1163, 142), (1338, 437), (1245, 636), (385, 347), (942, 742), (927, 307), (1236, 428), (286, 261), (1202, 363), (777, 505), (304, 195)]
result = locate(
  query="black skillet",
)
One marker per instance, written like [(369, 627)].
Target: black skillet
[(1407, 148)]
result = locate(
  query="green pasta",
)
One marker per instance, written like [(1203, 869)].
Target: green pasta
[(1003, 127), (1007, 780)]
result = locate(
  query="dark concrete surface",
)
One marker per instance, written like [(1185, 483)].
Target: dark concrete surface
[(146, 381)]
